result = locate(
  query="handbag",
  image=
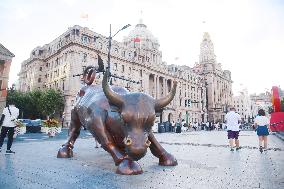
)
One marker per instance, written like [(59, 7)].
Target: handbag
[(2, 119)]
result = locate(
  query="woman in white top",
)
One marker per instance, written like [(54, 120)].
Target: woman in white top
[(262, 128)]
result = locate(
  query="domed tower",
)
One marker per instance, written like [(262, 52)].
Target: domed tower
[(144, 44), (142, 38)]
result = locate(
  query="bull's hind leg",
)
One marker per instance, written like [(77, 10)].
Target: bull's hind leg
[(126, 166), (165, 158), (66, 151)]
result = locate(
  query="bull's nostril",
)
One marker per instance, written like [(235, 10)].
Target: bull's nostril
[(148, 143), (128, 141)]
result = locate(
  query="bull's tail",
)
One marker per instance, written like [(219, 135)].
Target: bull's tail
[(89, 75)]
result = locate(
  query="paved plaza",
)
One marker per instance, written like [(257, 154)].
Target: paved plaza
[(205, 161)]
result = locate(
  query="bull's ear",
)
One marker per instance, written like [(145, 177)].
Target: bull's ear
[(162, 102)]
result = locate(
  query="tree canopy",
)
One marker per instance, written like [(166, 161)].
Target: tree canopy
[(37, 103)]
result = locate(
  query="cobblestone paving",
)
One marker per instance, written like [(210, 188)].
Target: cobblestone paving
[(204, 162)]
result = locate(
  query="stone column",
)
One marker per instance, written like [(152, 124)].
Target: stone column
[(157, 87)]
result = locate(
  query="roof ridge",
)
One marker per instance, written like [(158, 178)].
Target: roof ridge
[(5, 51)]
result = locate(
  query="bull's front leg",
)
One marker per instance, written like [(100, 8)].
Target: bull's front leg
[(66, 151), (165, 158), (126, 166)]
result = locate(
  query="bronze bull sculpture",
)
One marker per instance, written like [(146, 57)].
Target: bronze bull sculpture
[(122, 123)]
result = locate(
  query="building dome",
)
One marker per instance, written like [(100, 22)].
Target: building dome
[(141, 37)]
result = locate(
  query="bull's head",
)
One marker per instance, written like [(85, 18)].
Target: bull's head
[(138, 114)]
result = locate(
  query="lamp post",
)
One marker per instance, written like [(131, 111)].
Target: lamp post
[(109, 43), (108, 60)]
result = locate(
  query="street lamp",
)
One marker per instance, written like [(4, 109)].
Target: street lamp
[(109, 43)]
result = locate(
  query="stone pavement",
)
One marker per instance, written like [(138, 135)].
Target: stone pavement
[(27, 137), (204, 162)]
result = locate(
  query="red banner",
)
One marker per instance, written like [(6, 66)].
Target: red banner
[(276, 99), (277, 121)]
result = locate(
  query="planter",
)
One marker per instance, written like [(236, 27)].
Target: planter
[(52, 131), (44, 129), (20, 130), (58, 129)]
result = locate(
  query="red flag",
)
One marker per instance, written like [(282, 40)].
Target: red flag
[(136, 39)]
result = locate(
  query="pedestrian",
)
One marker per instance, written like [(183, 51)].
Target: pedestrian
[(10, 114), (173, 127), (232, 121), (178, 126), (203, 126), (216, 125), (211, 125), (221, 126), (195, 125), (261, 123), (207, 126)]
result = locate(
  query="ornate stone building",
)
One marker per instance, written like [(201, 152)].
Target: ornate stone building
[(137, 58), (261, 101), (244, 106), (218, 82), (5, 63)]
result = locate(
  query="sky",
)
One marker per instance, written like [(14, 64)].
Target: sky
[(248, 35)]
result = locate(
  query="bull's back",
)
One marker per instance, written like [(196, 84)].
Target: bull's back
[(93, 96)]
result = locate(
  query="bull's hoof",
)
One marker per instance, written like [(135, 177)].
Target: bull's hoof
[(65, 152), (167, 159), (129, 167)]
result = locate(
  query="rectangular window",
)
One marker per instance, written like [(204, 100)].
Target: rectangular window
[(63, 85), (84, 57), (85, 39), (122, 68), (95, 38), (77, 32), (83, 67)]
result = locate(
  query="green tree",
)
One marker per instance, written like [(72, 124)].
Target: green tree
[(33, 107), (37, 104), (51, 103)]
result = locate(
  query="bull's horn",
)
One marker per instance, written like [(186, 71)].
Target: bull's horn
[(162, 102), (112, 96)]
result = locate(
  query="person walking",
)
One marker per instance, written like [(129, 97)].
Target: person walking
[(207, 126), (173, 127), (261, 123), (232, 120), (10, 113), (194, 126)]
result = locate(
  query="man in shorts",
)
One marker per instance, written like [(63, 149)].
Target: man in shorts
[(232, 121)]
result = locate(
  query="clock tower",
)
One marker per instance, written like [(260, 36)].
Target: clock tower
[(207, 50), (217, 82)]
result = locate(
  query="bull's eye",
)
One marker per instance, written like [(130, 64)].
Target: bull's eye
[(148, 143), (128, 141)]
